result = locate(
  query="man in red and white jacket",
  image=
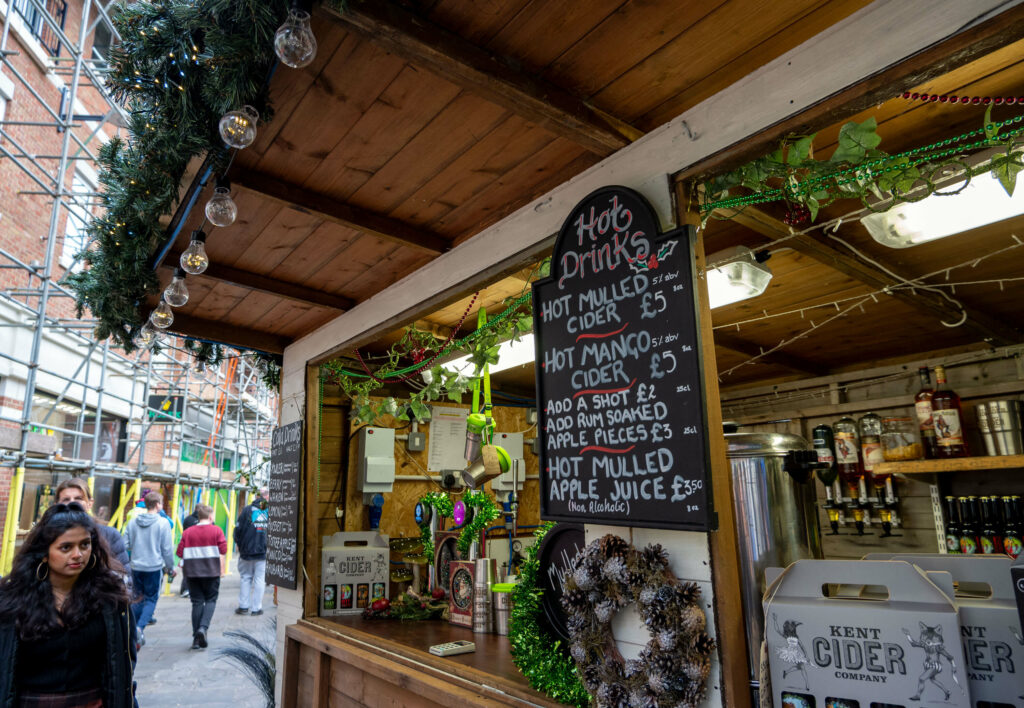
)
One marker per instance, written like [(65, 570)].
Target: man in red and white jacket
[(202, 550)]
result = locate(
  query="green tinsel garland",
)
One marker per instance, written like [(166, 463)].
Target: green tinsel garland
[(540, 657), (180, 66), (486, 512), (442, 505)]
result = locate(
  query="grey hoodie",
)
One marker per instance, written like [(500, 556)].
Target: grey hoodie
[(148, 540)]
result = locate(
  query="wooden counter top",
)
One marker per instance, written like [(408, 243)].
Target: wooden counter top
[(489, 671)]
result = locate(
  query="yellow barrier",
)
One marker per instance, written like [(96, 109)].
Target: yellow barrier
[(175, 526), (231, 529), (118, 517), (11, 521)]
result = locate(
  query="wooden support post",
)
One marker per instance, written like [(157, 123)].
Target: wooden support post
[(725, 564), (310, 559), (322, 681), (290, 685)]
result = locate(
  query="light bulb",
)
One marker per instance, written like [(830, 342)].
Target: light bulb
[(238, 127), (163, 316), (194, 259), (199, 367), (221, 209), (176, 294), (294, 42), (144, 337)]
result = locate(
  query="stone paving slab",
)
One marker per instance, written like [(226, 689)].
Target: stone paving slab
[(171, 674)]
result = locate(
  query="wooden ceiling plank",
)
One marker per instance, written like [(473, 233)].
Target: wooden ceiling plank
[(489, 75), (986, 327), (216, 331), (323, 207), (271, 286), (779, 358)]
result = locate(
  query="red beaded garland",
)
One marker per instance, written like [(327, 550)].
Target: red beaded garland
[(972, 100)]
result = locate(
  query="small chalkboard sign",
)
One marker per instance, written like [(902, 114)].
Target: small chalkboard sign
[(620, 385), (283, 527), (558, 549)]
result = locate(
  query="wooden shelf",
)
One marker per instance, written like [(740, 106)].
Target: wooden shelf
[(956, 464)]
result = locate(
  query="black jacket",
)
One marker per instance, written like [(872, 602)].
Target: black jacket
[(251, 532), (117, 671)]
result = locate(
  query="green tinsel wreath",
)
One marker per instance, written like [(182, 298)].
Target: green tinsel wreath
[(442, 506), (539, 656), (486, 512)]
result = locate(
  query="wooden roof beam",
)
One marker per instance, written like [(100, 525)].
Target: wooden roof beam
[(986, 327), (231, 335), (497, 78), (329, 209), (780, 358), (266, 284)]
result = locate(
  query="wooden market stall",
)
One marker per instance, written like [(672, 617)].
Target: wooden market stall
[(418, 169)]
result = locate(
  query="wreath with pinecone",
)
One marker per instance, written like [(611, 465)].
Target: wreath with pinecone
[(672, 670)]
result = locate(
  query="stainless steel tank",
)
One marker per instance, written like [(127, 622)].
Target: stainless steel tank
[(776, 520)]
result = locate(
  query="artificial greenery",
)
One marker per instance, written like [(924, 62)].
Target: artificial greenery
[(442, 505), (485, 511), (539, 655), (857, 169), (180, 66)]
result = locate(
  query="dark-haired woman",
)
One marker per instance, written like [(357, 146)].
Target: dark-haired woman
[(65, 633)]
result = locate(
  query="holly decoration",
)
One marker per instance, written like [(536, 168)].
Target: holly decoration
[(485, 511), (442, 506)]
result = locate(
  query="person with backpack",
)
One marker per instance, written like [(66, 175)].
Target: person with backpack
[(251, 540)]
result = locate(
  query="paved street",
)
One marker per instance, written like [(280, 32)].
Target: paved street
[(169, 673)]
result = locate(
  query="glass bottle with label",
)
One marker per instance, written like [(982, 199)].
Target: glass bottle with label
[(948, 420), (969, 542), (848, 458), (824, 445), (923, 408), (991, 538), (952, 526), (1012, 543), (870, 429)]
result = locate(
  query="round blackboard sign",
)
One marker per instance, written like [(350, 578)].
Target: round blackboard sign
[(557, 550)]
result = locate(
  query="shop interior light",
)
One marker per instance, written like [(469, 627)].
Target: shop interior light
[(739, 277), (510, 353), (983, 201)]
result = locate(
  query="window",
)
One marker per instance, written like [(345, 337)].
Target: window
[(79, 208), (37, 24)]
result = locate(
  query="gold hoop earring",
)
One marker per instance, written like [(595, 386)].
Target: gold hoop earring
[(92, 561), (42, 564)]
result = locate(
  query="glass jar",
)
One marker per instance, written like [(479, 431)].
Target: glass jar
[(899, 440)]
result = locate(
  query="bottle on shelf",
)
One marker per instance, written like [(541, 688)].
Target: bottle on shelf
[(991, 537), (969, 541), (870, 429), (824, 445), (923, 408), (1012, 543), (851, 473), (952, 526), (948, 419)]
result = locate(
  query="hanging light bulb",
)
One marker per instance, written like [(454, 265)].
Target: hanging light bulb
[(163, 316), (176, 294), (238, 127), (194, 259), (294, 42), (221, 209), (144, 337), (199, 367)]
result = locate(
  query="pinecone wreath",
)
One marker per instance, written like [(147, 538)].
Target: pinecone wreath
[(673, 668)]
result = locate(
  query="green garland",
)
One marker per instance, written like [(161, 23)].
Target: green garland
[(442, 505), (180, 66), (540, 657), (486, 512)]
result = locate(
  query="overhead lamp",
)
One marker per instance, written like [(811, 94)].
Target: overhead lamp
[(510, 353), (741, 275), (983, 201)]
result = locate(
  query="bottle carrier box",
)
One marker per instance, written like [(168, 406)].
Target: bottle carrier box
[(989, 628), (862, 634), (354, 572)]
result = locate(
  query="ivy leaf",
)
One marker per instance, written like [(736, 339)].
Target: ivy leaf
[(481, 357), (1005, 168), (799, 151), (419, 409), (855, 140), (545, 268), (901, 180), (523, 323), (365, 414), (812, 205), (456, 386)]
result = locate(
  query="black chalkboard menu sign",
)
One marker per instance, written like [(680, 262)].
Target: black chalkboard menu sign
[(620, 394), (283, 529)]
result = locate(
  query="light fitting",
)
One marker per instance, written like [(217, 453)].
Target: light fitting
[(739, 277)]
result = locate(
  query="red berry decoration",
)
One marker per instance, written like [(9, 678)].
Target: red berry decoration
[(438, 594), (652, 263), (381, 605), (796, 215)]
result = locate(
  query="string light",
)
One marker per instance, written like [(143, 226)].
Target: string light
[(221, 209), (238, 127), (194, 259), (294, 41), (176, 293)]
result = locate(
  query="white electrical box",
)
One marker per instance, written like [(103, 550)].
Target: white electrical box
[(376, 460), (513, 445)]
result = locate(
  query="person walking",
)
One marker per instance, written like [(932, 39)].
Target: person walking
[(65, 632), (187, 523), (251, 539), (151, 550), (203, 549), (76, 489)]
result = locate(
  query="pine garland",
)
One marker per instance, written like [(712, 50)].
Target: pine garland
[(180, 66), (486, 511)]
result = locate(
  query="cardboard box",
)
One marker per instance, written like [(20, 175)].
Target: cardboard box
[(863, 634), (353, 571), (993, 648)]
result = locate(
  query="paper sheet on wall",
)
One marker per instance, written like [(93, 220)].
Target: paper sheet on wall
[(446, 439)]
